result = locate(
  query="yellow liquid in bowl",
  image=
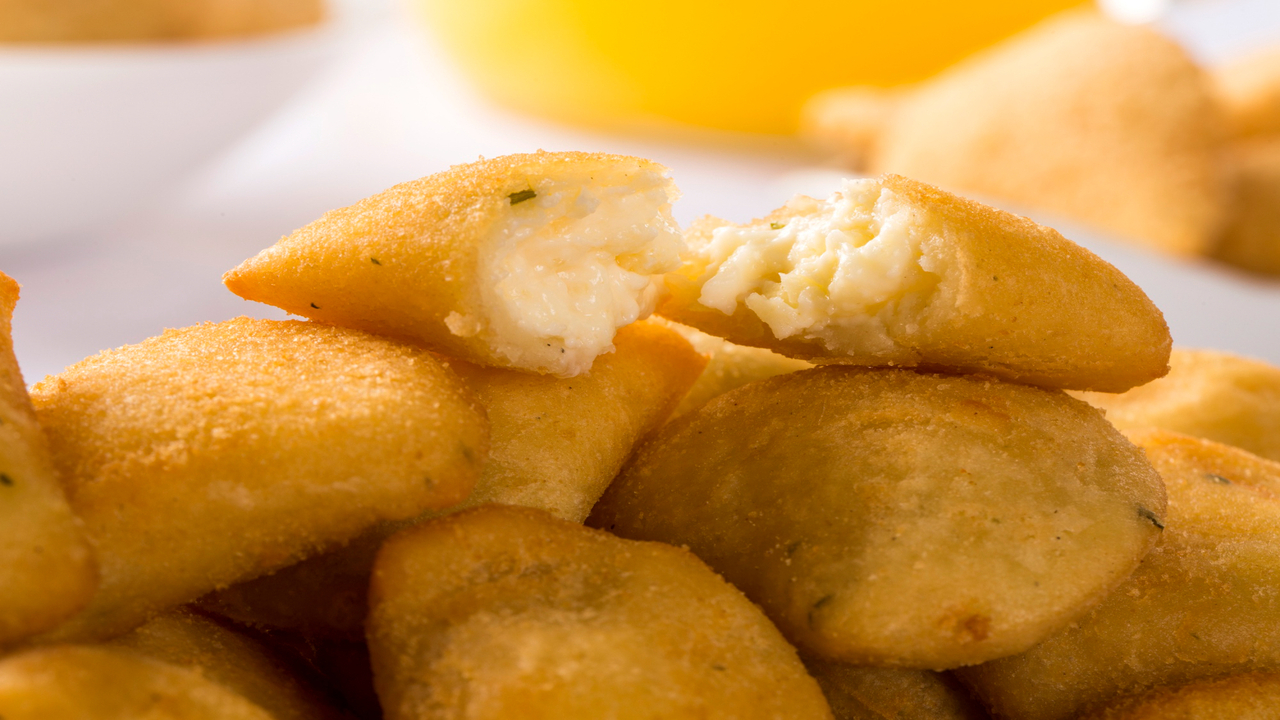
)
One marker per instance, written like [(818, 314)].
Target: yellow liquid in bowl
[(746, 65)]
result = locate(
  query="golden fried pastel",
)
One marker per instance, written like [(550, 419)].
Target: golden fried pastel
[(220, 452), (885, 517), (235, 660), (1203, 603), (894, 272), (555, 445), (862, 692), (99, 683), (525, 261), (508, 612), (1252, 696), (1209, 394), (46, 570)]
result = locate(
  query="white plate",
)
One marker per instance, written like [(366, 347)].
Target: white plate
[(89, 134)]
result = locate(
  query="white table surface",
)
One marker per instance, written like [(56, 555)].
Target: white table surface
[(391, 109)]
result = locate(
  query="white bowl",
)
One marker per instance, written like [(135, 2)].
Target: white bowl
[(89, 134)]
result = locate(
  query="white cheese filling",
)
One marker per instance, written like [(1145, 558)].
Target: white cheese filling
[(843, 272), (566, 268)]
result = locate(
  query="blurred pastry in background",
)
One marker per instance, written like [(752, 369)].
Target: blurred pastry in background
[(1207, 394), (72, 21), (1108, 124), (847, 122), (1252, 238), (1250, 91)]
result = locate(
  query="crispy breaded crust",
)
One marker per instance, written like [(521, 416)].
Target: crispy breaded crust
[(863, 692), (46, 570), (555, 445), (728, 366), (1252, 696), (1202, 603), (509, 612), (86, 21), (234, 659), (1109, 124), (401, 262), (1019, 301), (99, 683), (1209, 394), (223, 451), (885, 517)]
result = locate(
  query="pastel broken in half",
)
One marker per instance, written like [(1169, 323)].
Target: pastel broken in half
[(529, 262), (895, 272)]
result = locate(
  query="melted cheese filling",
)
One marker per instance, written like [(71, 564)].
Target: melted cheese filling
[(567, 267), (842, 272)]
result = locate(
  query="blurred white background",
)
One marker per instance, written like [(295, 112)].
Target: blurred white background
[(388, 108)]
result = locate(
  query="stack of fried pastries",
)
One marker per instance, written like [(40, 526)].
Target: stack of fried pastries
[(876, 476)]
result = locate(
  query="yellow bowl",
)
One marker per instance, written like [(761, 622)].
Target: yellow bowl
[(746, 65)]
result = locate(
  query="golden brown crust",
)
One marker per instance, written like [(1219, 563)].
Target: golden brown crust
[(47, 572), (555, 445), (1252, 238), (1203, 602), (89, 21), (220, 452), (1108, 124), (235, 660), (400, 262), (1016, 300), (97, 683), (862, 692), (1208, 394), (885, 517), (1253, 696), (509, 612)]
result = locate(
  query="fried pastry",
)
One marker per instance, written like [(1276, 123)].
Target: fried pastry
[(509, 612), (885, 517), (46, 570), (555, 445), (1252, 696), (238, 662), (1203, 603), (1208, 394), (894, 272), (98, 683), (529, 262), (1107, 124), (220, 452), (729, 366), (1252, 238), (862, 692)]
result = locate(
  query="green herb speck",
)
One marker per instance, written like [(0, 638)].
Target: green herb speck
[(317, 307), (1217, 478), (518, 197), (776, 226), (375, 261), (1147, 514)]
